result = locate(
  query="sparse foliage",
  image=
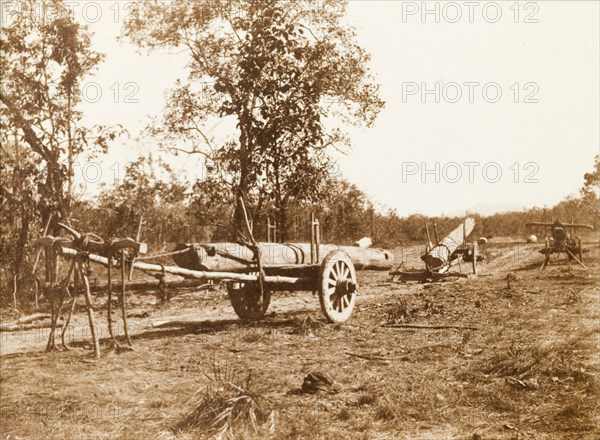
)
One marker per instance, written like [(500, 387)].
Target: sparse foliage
[(276, 67), (590, 192), (44, 57)]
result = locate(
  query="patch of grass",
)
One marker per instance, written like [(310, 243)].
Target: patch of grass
[(398, 313), (229, 407), (367, 399), (303, 423), (252, 335), (518, 378), (554, 361), (344, 415), (385, 412), (307, 326)]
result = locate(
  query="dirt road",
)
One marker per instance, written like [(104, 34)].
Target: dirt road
[(529, 370)]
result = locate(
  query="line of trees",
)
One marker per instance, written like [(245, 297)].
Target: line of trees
[(287, 77), (44, 56), (175, 211)]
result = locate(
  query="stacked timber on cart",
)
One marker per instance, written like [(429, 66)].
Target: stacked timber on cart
[(325, 268), (251, 271), (234, 257), (439, 258)]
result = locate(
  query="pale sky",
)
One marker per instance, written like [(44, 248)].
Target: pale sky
[(551, 55)]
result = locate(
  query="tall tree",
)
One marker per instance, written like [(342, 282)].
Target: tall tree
[(44, 55), (282, 70)]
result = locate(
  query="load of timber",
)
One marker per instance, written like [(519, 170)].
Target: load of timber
[(234, 257)]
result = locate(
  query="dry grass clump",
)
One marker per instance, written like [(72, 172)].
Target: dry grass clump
[(229, 408), (528, 371), (412, 399), (306, 422), (398, 313), (308, 326), (546, 361), (368, 398)]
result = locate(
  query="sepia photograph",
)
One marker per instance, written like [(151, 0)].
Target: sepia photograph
[(299, 219)]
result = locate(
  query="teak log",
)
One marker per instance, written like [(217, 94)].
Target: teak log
[(201, 275), (233, 257), (439, 256), (150, 285)]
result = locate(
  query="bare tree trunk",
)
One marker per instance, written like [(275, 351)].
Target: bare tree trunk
[(21, 245), (241, 191), (70, 150)]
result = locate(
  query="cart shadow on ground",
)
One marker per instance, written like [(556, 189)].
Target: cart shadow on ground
[(292, 322)]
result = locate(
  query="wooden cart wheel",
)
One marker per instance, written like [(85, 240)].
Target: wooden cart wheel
[(246, 301), (474, 262), (337, 293)]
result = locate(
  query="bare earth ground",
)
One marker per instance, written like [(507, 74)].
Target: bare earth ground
[(530, 369)]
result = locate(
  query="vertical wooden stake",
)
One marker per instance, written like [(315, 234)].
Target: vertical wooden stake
[(312, 238), (317, 240), (88, 302), (109, 305), (138, 236), (15, 291), (428, 247), (123, 312)]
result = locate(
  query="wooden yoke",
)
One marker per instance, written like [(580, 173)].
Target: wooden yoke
[(83, 248), (93, 243)]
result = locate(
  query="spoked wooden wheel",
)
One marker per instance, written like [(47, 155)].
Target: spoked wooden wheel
[(246, 300), (337, 293)]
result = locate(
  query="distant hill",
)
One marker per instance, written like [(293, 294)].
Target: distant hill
[(487, 209)]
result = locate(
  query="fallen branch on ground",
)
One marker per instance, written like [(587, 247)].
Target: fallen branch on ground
[(34, 317), (370, 358), (183, 323), (433, 327), (15, 327)]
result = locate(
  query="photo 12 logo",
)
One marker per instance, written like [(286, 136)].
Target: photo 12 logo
[(470, 91), (471, 172), (470, 12), (89, 12), (126, 93)]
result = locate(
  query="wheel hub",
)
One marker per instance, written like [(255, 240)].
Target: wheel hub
[(346, 287)]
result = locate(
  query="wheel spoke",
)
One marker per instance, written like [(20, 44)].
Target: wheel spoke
[(335, 302), (333, 274), (346, 273), (336, 269)]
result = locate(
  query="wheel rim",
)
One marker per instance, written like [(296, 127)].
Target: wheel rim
[(338, 287), (246, 301)]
